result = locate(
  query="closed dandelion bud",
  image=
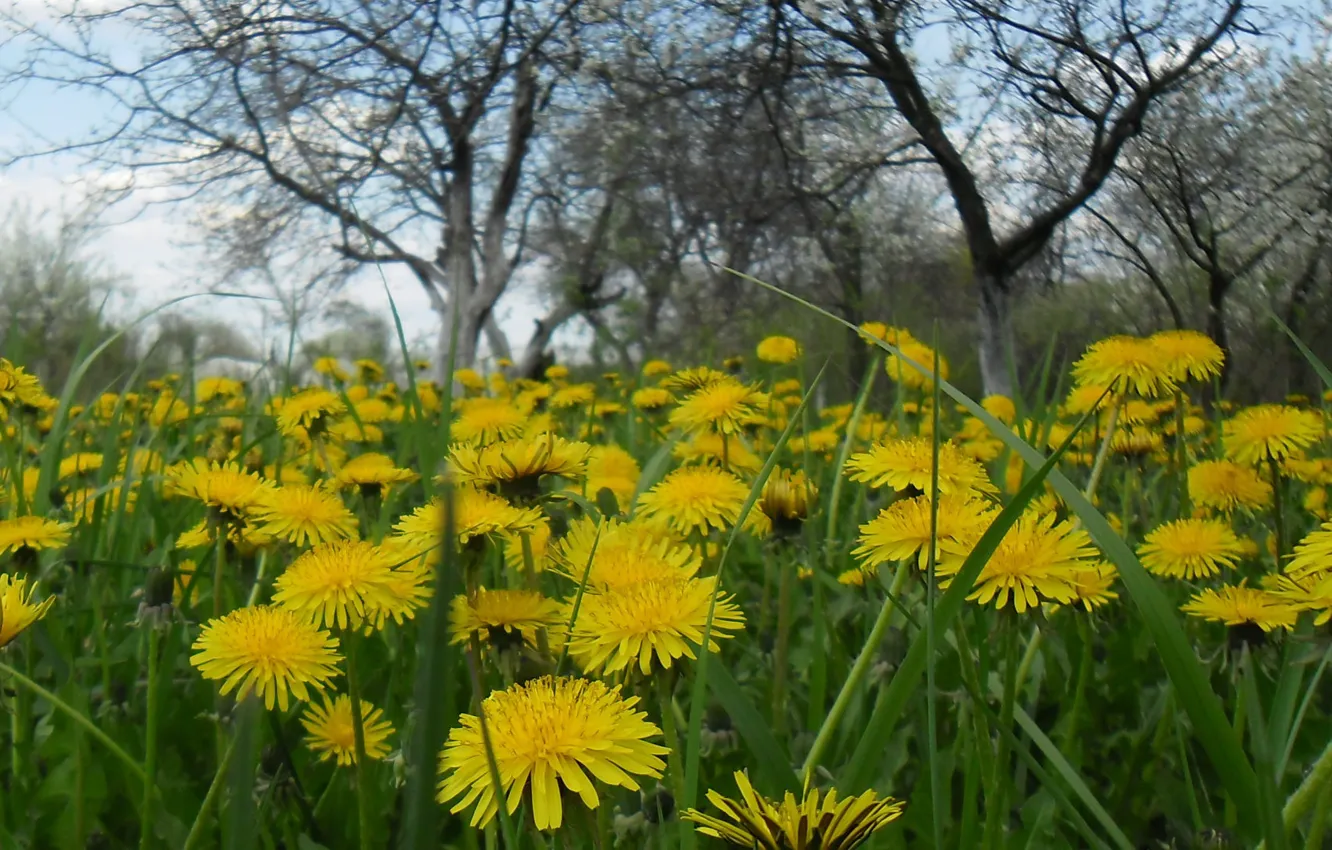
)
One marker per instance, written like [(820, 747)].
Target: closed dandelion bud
[(158, 590), (786, 500)]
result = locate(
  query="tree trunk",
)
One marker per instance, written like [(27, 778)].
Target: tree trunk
[(1218, 285), (995, 340)]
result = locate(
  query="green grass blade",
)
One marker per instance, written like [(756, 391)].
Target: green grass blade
[(1071, 776), (1268, 795), (1324, 374)]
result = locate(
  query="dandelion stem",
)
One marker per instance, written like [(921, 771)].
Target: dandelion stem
[(358, 735), (209, 801), (150, 739), (782, 650), (858, 669), (69, 711), (1278, 525), (665, 682), (1079, 688), (1181, 454), (996, 804), (1099, 466)]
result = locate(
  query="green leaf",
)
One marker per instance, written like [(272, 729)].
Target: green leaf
[(758, 737)]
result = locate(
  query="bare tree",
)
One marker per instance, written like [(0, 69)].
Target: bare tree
[(398, 131), (1071, 75)]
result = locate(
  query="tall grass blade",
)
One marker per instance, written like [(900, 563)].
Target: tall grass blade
[(1324, 374)]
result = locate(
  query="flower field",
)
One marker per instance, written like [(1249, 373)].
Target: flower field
[(687, 607)]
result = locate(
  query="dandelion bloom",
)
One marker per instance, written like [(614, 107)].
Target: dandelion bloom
[(650, 621), (1190, 548), (1312, 555), (309, 412), (518, 463), (304, 514), (225, 488), (725, 406), (1091, 585), (1313, 593), (1189, 355), (693, 379), (502, 616), (1224, 485), (341, 584), (1001, 407), (902, 529), (372, 473), (907, 463), (729, 453), (17, 610), (574, 395), (330, 367), (485, 420), (813, 821), (79, 464), (476, 514), (654, 368), (613, 468), (651, 398), (778, 349), (272, 651), (1270, 432), (553, 732), (697, 498), (787, 498), (907, 374), (618, 554), (1036, 560), (32, 532), (333, 735), (1126, 363), (1239, 605)]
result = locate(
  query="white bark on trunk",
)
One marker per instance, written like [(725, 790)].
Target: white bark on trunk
[(995, 343)]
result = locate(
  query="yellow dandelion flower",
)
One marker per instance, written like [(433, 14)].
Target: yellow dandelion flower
[(778, 349), (373, 473), (1224, 485), (653, 621), (341, 584), (485, 420), (618, 554), (79, 464), (502, 616), (225, 488), (1091, 585), (854, 577), (656, 368), (330, 367), (906, 463), (476, 514), (1035, 561), (1312, 555), (902, 529), (553, 732), (217, 387), (1239, 605), (698, 498), (613, 468), (1270, 432), (727, 451), (574, 395), (1126, 363), (725, 406), (304, 514), (33, 532), (1190, 548), (903, 372), (812, 821), (1001, 407), (518, 464), (651, 398), (1312, 594), (310, 412), (332, 734), (1189, 355), (274, 652), (17, 610), (689, 380)]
